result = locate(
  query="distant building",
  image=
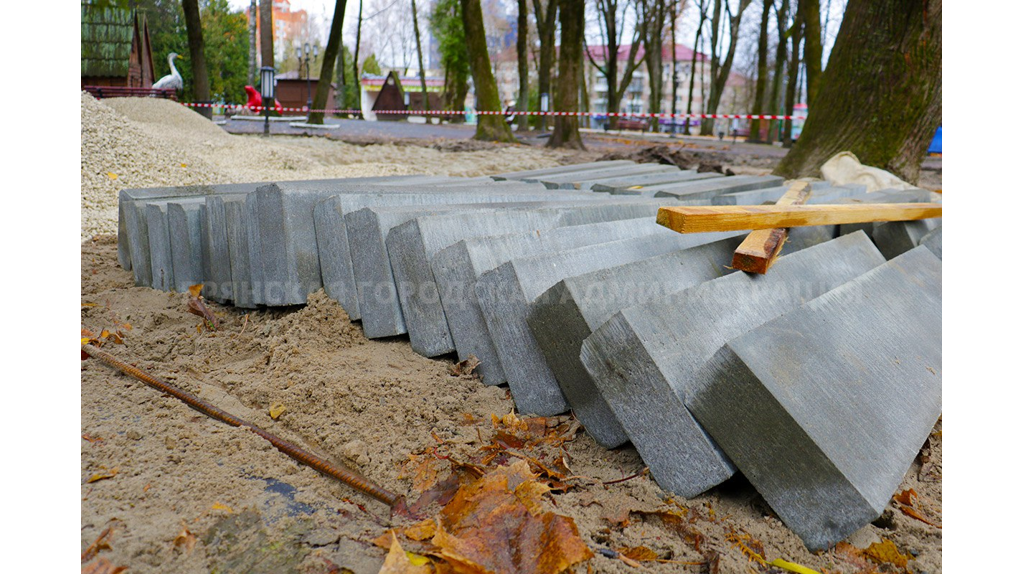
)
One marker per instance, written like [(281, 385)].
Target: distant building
[(115, 48), (397, 93), (289, 26)]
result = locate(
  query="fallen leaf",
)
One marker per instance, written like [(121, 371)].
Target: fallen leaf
[(641, 553), (102, 566), (398, 561), (792, 567), (102, 475), (423, 469), (88, 304), (276, 410), (488, 527), (465, 367), (914, 513), (91, 438), (102, 542), (219, 506), (885, 552), (185, 540), (851, 554), (111, 175), (748, 545), (421, 530), (195, 290), (184, 165), (906, 497)]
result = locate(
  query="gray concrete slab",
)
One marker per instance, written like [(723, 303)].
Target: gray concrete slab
[(933, 241), (567, 313), (882, 196), (644, 358), (605, 185), (848, 386), (186, 221), (648, 190), (751, 197), (457, 267), (894, 238), (579, 167), (137, 240), (161, 265), (505, 292), (217, 274), (239, 252), (711, 188), (584, 180), (413, 244)]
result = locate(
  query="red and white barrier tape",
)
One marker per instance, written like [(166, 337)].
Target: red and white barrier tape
[(305, 110)]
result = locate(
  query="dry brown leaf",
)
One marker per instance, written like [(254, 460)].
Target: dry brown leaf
[(102, 475), (423, 469), (914, 513), (195, 290), (398, 561), (907, 497), (488, 527), (748, 545), (465, 367), (197, 306), (276, 410), (102, 542), (185, 540), (421, 530), (641, 553), (102, 566), (885, 552)]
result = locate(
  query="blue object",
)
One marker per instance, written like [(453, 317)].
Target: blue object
[(936, 145)]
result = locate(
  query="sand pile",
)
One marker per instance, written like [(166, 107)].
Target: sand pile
[(149, 142)]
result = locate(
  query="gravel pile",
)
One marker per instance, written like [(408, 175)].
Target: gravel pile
[(149, 142)]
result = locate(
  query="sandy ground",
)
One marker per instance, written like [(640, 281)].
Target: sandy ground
[(187, 494)]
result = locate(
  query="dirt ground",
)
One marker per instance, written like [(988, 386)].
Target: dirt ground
[(183, 493)]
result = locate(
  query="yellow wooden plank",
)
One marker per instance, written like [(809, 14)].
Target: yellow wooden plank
[(709, 218), (759, 250)]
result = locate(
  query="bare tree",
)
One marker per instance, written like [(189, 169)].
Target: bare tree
[(323, 84), (490, 127), (545, 14), (702, 17), (720, 70), (762, 72), (253, 11), (419, 58), (792, 81), (781, 18), (654, 14), (570, 64), (522, 59), (197, 53), (674, 14), (355, 60), (883, 86), (612, 17), (267, 34), (810, 15)]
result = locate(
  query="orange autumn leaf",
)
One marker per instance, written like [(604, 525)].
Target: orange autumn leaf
[(102, 475), (421, 530), (102, 542), (423, 470), (639, 553), (885, 552), (102, 566), (185, 540), (195, 290), (398, 561), (907, 497), (488, 526), (913, 513)]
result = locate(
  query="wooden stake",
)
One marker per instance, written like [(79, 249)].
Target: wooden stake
[(760, 249), (709, 218)]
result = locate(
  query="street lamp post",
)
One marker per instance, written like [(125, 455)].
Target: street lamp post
[(305, 49), (267, 93)]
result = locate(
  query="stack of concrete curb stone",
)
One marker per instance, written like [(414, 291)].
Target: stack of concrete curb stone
[(819, 381)]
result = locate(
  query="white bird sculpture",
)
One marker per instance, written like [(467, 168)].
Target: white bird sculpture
[(172, 80)]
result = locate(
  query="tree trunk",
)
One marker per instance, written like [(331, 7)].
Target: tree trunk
[(522, 59), (323, 85), (267, 34), (253, 15), (707, 126), (491, 127), (762, 74), (810, 14), (355, 62), (654, 12), (883, 86), (693, 64), (570, 62), (196, 52), (781, 17), (792, 81), (675, 65), (546, 33), (419, 57), (719, 80)]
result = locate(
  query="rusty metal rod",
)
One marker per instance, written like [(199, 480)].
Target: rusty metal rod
[(346, 475)]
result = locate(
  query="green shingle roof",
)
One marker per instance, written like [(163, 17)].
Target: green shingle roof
[(106, 40)]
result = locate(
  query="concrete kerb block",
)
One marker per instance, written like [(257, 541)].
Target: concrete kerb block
[(413, 244), (186, 222), (933, 241), (752, 197), (850, 386), (583, 180), (287, 243), (457, 267), (579, 167), (567, 313), (505, 292), (605, 185), (161, 266), (644, 359), (217, 274), (239, 252), (894, 238), (883, 196), (649, 190), (718, 186)]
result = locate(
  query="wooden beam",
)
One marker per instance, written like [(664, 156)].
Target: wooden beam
[(760, 249), (709, 218)]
